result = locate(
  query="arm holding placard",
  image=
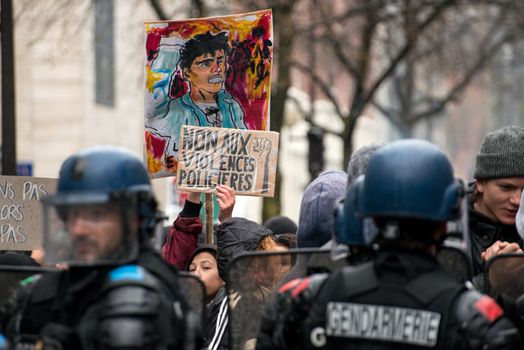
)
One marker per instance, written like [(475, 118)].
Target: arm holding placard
[(182, 239)]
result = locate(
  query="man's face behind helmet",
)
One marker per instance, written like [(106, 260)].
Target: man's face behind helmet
[(90, 234), (94, 217)]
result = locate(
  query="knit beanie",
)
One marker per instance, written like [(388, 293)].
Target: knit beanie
[(501, 154), (317, 210), (280, 225)]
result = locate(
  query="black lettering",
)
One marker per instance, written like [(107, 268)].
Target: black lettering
[(200, 140), (225, 144), (223, 163), (187, 158), (249, 182), (188, 139), (239, 163), (182, 177), (233, 181), (240, 182), (209, 178), (202, 161), (231, 163), (214, 160), (224, 178), (213, 142), (244, 143), (191, 178), (250, 164)]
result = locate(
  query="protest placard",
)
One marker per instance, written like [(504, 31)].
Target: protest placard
[(21, 222), (213, 72), (245, 160)]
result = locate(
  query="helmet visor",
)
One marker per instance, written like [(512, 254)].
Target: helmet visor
[(84, 234)]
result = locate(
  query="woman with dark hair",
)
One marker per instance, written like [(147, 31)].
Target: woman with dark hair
[(203, 263)]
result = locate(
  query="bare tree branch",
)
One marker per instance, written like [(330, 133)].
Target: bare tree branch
[(159, 10), (325, 88)]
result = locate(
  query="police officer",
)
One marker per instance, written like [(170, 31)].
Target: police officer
[(283, 322), (403, 298), (115, 292)]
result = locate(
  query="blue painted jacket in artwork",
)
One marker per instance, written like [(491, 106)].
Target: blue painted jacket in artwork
[(183, 111)]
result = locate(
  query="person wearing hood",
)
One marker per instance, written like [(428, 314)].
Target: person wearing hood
[(316, 220), (254, 280)]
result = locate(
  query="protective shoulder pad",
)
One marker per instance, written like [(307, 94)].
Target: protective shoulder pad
[(133, 311), (472, 305), (483, 322), (304, 286), (131, 275)]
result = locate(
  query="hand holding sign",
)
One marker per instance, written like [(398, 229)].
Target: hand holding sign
[(226, 202)]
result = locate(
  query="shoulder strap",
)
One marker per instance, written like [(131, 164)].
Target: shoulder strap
[(358, 279), (424, 289)]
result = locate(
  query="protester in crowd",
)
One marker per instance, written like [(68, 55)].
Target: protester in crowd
[(359, 160), (285, 231), (316, 221), (373, 305), (499, 179), (203, 264), (357, 165), (286, 241), (254, 279), (183, 237), (117, 292), (281, 224)]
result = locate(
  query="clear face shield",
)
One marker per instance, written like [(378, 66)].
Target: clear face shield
[(351, 229), (455, 249), (90, 231)]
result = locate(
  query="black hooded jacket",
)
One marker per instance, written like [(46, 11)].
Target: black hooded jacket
[(483, 233), (236, 236)]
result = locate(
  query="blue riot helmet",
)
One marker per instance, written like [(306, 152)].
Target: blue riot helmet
[(350, 229), (103, 209), (412, 179)]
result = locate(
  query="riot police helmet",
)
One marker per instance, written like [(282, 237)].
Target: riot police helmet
[(410, 179), (350, 228), (103, 209)]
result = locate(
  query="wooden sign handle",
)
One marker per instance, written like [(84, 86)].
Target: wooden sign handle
[(209, 217)]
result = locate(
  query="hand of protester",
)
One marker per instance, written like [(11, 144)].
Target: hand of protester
[(226, 201), (194, 197), (500, 248)]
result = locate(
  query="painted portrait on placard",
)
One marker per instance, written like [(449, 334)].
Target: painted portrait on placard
[(209, 72)]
